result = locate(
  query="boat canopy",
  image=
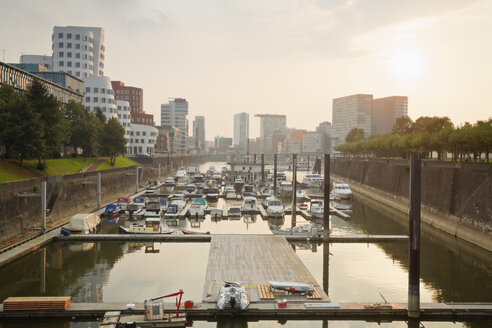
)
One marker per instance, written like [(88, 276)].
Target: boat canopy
[(139, 200), (111, 208), (163, 202), (316, 202), (124, 200), (83, 222), (200, 201)]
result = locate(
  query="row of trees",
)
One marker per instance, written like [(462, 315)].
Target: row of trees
[(426, 135), (35, 125)]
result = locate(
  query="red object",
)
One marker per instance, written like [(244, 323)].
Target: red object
[(188, 304), (282, 304), (178, 303)]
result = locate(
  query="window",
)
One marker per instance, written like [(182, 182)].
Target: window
[(60, 63), (77, 73), (60, 44), (144, 133), (60, 54), (87, 99), (69, 54), (69, 64), (103, 100), (77, 46), (85, 48), (142, 140), (60, 35), (85, 66), (85, 37), (95, 99), (136, 140), (77, 64), (87, 89), (96, 90), (69, 45), (103, 90), (104, 109), (77, 36), (69, 35)]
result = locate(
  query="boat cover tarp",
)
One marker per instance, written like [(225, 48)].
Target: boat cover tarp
[(83, 222)]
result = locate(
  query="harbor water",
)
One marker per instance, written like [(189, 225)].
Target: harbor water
[(451, 270)]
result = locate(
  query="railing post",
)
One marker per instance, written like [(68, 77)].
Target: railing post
[(326, 200), (414, 249), (43, 206)]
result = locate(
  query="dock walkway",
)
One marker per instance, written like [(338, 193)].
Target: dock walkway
[(253, 260)]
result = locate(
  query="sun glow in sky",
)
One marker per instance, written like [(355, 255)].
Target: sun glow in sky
[(281, 57)]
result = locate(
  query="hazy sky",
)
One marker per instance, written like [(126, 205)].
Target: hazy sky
[(278, 56)]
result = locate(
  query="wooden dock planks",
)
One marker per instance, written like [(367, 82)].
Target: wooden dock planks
[(36, 303), (253, 260), (265, 292)]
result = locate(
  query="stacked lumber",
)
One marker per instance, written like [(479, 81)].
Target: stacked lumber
[(315, 295), (265, 292), (36, 303)]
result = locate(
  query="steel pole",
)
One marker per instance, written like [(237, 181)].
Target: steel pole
[(294, 184), (308, 165), (275, 175), (414, 249), (263, 169), (43, 206), (159, 171), (326, 202), (99, 190), (136, 179), (254, 167)]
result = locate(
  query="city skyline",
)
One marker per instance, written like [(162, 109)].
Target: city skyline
[(215, 55)]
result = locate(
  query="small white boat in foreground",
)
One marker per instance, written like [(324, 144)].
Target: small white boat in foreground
[(232, 296)]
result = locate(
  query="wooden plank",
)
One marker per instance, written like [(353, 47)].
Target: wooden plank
[(36, 303), (265, 292), (253, 260), (315, 295)]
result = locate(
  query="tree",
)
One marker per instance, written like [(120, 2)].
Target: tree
[(354, 135), (54, 127), (20, 125), (114, 142), (403, 126), (83, 128)]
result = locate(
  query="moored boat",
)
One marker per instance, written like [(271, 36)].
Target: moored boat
[(274, 207), (317, 209), (151, 226), (341, 190), (249, 204), (313, 180), (232, 296), (83, 223), (306, 229)]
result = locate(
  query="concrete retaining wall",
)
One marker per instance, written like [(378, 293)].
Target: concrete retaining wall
[(455, 199), (68, 195)]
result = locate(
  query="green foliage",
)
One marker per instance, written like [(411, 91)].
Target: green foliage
[(427, 135), (355, 135), (113, 140)]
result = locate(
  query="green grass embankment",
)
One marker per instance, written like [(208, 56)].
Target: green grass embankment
[(11, 171)]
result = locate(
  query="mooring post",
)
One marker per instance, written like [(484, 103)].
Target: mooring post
[(262, 169), (99, 190), (43, 206), (326, 200), (43, 270), (159, 171), (136, 179), (308, 165), (254, 167), (275, 175), (414, 249), (294, 185)]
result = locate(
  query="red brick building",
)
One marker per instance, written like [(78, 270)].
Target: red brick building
[(162, 143), (135, 97)]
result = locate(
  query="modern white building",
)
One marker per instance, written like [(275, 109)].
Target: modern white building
[(198, 134), (241, 130), (46, 61), (351, 112), (98, 93), (123, 109), (270, 123), (78, 50), (142, 140)]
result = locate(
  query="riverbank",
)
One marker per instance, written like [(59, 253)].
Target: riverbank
[(455, 200)]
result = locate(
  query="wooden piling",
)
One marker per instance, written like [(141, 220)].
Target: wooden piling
[(294, 184), (414, 247), (275, 174), (326, 202)]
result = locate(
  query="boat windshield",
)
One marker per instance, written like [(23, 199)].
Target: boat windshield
[(172, 209), (275, 203)]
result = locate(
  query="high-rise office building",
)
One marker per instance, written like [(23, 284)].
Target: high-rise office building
[(175, 114), (241, 130), (385, 111), (199, 134), (270, 123), (78, 50), (351, 112)]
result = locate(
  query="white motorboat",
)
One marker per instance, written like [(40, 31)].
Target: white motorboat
[(217, 177), (234, 212), (190, 189), (230, 192), (249, 204), (150, 192), (151, 226), (313, 180), (274, 207), (84, 223), (248, 190), (300, 194), (199, 181), (292, 287), (285, 187), (281, 176), (341, 190), (179, 195), (239, 183), (212, 194), (216, 213), (345, 208), (182, 182), (135, 211), (140, 201), (197, 208), (232, 296), (163, 205), (265, 191), (192, 170), (306, 229), (169, 181), (317, 210), (152, 209), (172, 211), (181, 173), (123, 202)]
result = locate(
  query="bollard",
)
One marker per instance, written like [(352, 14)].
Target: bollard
[(326, 200), (414, 249)]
